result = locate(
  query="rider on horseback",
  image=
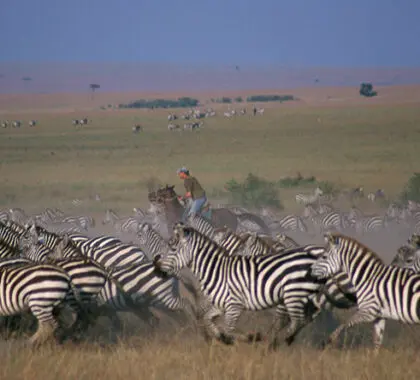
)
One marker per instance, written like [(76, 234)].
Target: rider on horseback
[(194, 191)]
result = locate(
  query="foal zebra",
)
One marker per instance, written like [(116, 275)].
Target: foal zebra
[(235, 284), (383, 292)]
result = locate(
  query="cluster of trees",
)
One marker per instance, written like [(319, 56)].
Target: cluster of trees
[(162, 103), (254, 98)]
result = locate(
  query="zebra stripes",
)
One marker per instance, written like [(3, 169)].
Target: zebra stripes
[(122, 225), (235, 284), (37, 288), (309, 199), (383, 292), (151, 241)]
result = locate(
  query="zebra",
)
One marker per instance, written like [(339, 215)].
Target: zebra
[(85, 222), (257, 245), (260, 111), (382, 291), (201, 224), (332, 220), (371, 224), (151, 241), (235, 284), (290, 223), (286, 241), (33, 123), (172, 117), (128, 224), (137, 128), (4, 216), (83, 121), (9, 241), (39, 288), (5, 124), (406, 258), (309, 199), (18, 215), (75, 122), (229, 240), (173, 127), (16, 124)]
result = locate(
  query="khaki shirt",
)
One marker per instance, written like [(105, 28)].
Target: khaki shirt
[(193, 186)]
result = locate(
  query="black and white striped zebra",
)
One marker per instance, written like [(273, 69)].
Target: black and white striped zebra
[(4, 215), (382, 291), (33, 123), (151, 241), (327, 222), (371, 224), (9, 241), (122, 225), (235, 284), (38, 288), (306, 199), (289, 223), (201, 224)]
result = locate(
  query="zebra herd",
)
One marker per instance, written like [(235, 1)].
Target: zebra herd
[(54, 266), (17, 123)]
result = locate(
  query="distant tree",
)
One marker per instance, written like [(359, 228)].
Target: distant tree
[(26, 81), (366, 89), (239, 99), (93, 87)]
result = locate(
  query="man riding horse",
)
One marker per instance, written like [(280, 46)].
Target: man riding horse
[(194, 191)]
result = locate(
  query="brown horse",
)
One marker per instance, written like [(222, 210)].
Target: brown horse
[(174, 210)]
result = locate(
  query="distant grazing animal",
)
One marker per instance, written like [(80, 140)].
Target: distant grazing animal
[(173, 127), (137, 128), (33, 123)]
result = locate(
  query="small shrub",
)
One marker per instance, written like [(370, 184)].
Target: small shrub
[(328, 188), (253, 192), (411, 191), (239, 99)]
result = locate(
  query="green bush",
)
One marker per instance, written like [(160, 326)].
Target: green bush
[(366, 89), (297, 181), (162, 103), (239, 99), (269, 98), (411, 191), (253, 192)]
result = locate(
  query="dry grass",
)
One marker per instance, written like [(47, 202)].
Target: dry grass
[(189, 358)]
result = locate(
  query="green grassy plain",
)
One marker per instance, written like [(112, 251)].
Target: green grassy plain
[(370, 146)]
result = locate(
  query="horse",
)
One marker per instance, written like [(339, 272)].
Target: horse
[(166, 196)]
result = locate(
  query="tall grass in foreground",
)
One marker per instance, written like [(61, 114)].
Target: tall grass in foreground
[(189, 358)]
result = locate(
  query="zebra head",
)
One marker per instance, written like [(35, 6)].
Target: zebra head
[(404, 257), (414, 241), (330, 263), (180, 254)]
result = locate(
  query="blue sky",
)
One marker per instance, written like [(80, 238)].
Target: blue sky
[(295, 33)]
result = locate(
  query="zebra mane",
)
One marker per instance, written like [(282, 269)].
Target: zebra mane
[(335, 238), (188, 232)]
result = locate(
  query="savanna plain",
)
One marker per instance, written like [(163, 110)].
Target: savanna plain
[(374, 144)]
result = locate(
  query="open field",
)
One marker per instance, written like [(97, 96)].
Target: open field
[(375, 146), (349, 143)]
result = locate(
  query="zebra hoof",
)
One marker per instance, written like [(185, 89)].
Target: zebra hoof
[(226, 339), (255, 337), (290, 339)]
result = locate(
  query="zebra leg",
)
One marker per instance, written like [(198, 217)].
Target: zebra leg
[(46, 324), (378, 333), (232, 314), (361, 316), (210, 329)]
